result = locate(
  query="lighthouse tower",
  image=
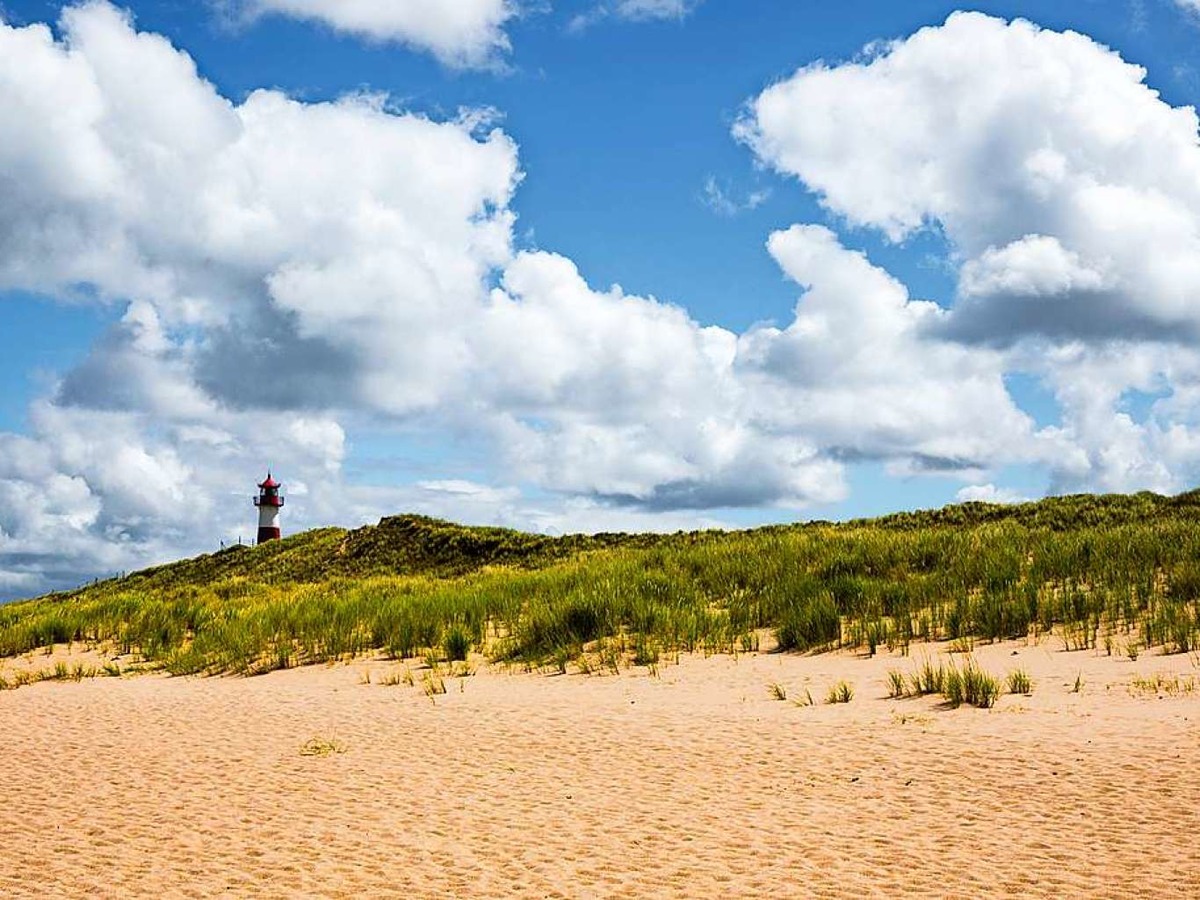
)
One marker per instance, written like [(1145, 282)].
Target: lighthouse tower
[(269, 503)]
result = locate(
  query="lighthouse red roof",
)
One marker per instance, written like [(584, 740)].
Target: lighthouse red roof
[(270, 482)]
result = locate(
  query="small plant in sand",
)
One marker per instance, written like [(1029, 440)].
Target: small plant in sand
[(969, 685), (979, 688), (433, 685), (1019, 682), (777, 691), (393, 678), (974, 687), (1160, 685), (897, 685), (645, 651), (1078, 688), (322, 746), (560, 659), (610, 657), (457, 643), (842, 692), (952, 687), (928, 679)]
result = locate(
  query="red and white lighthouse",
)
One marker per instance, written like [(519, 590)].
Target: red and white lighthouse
[(269, 503)]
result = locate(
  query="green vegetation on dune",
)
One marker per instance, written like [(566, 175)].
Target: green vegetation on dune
[(1116, 573), (412, 545)]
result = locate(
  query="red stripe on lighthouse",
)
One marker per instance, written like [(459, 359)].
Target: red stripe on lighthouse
[(269, 534)]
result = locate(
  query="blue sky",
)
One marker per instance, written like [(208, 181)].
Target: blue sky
[(379, 254)]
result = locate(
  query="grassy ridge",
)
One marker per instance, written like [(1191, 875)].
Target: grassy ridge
[(1119, 573), (407, 544)]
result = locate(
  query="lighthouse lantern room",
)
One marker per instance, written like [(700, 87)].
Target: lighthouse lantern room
[(269, 503)]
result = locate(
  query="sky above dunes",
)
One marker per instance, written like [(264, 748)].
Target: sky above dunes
[(590, 265)]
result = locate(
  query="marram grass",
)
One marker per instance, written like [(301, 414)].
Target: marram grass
[(1118, 571)]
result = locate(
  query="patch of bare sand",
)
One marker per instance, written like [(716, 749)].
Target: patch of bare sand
[(694, 783)]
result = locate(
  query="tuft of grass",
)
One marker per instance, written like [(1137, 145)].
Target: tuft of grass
[(964, 644), (645, 651), (560, 660), (966, 685), (610, 657), (928, 679), (433, 684), (952, 687), (979, 688), (777, 691), (322, 746), (1078, 688), (842, 692), (1163, 685), (456, 643), (1019, 682), (394, 678), (897, 685)]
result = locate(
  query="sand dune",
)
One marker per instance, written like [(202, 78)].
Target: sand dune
[(692, 783)]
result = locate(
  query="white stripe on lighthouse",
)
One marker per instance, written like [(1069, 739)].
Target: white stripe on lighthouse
[(268, 516)]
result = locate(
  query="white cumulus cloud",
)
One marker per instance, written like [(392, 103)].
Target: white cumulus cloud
[(460, 33), (1039, 152), (1069, 194)]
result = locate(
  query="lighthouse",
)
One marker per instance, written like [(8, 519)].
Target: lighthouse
[(269, 503)]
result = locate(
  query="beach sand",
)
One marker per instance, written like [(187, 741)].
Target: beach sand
[(691, 782)]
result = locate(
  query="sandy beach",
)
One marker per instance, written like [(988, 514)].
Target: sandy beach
[(692, 782)]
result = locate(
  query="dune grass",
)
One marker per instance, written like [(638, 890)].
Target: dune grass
[(966, 684), (1019, 682), (1162, 685), (842, 692), (1101, 571)]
